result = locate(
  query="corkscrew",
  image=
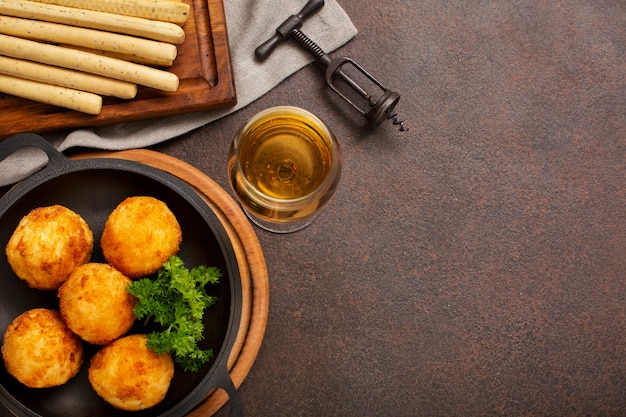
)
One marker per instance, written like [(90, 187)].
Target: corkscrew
[(342, 74)]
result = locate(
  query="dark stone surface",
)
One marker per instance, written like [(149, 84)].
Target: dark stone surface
[(475, 265)]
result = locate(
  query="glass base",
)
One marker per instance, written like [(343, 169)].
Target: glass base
[(279, 227)]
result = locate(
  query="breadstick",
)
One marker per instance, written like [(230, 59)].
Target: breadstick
[(51, 94), (88, 38), (88, 62), (164, 10), (130, 58), (135, 26), (66, 78)]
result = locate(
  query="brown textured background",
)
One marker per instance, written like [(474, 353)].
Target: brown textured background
[(475, 265)]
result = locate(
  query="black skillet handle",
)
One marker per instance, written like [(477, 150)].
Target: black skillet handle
[(22, 140), (226, 383)]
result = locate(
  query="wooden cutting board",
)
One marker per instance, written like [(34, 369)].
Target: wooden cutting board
[(254, 278), (203, 65)]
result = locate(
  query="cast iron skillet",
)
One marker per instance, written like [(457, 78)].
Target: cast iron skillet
[(93, 188)]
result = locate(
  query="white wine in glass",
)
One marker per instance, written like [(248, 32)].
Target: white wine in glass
[(284, 167)]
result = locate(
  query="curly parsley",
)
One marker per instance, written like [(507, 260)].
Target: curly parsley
[(176, 301)]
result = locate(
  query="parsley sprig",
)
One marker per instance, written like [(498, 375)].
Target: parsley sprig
[(176, 301)]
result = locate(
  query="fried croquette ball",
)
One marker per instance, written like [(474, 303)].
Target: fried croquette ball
[(48, 243), (40, 351), (139, 235), (95, 305), (129, 375)]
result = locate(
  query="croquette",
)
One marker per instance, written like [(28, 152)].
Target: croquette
[(95, 305), (140, 235), (47, 245), (40, 351), (129, 375)]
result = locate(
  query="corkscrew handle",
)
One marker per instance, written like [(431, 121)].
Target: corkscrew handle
[(309, 8), (284, 31)]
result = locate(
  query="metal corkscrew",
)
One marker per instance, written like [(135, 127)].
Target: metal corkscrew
[(342, 74)]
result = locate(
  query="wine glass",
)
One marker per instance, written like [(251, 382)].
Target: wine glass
[(284, 166)]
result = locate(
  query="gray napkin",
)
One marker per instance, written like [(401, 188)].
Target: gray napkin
[(249, 22)]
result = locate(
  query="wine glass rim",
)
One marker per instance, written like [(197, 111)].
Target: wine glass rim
[(326, 134)]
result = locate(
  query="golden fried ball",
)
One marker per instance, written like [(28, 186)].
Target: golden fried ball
[(129, 375), (139, 235), (40, 351), (47, 245), (95, 305)]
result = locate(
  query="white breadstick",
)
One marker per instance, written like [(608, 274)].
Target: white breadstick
[(135, 26), (130, 58), (88, 62), (51, 94), (67, 78), (164, 10), (88, 38)]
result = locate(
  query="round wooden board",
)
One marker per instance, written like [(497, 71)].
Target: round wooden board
[(254, 279)]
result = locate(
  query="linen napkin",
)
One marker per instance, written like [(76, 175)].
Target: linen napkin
[(249, 22)]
